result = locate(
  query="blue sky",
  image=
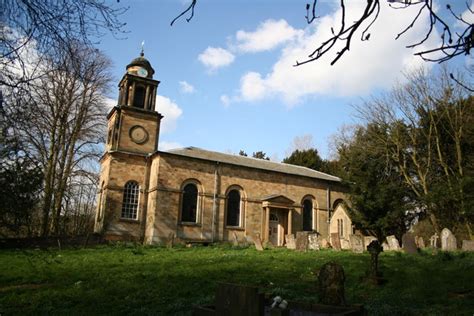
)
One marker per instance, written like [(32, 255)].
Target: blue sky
[(227, 76)]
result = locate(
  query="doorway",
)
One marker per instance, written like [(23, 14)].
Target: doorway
[(274, 229)]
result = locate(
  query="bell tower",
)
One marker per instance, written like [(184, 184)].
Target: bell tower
[(134, 125)]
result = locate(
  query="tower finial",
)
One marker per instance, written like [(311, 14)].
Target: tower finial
[(142, 53)]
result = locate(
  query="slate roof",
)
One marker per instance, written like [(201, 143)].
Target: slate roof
[(250, 162)]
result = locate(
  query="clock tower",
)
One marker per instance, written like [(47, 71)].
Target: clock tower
[(132, 137)]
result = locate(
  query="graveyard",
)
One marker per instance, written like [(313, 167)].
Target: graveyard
[(134, 279)]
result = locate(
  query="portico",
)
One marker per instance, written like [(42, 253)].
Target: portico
[(277, 218)]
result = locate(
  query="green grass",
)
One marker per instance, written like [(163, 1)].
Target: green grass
[(140, 280)]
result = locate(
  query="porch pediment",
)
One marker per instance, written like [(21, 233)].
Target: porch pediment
[(277, 200)]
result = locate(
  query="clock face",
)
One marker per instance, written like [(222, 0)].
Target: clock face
[(138, 134), (142, 72)]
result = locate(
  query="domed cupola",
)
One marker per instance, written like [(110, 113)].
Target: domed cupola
[(140, 66)]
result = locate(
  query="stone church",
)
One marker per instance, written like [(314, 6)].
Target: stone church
[(197, 195)]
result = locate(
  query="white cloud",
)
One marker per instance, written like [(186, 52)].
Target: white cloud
[(467, 16), (216, 57), (185, 87), (368, 65), (171, 112), (164, 145), (267, 36), (225, 100), (109, 103)]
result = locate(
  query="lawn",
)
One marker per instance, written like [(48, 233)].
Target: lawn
[(137, 280)]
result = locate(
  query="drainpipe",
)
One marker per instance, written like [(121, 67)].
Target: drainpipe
[(214, 203)]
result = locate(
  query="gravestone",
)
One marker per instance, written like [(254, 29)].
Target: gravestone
[(258, 242), (335, 241), (325, 244), (302, 241), (345, 243), (290, 241), (331, 284), (368, 240), (313, 242), (420, 242), (170, 240), (236, 300), (385, 246), (448, 241), (374, 274), (357, 244), (468, 245), (235, 239), (393, 243), (434, 241), (408, 242)]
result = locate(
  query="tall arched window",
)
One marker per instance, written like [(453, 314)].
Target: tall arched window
[(189, 204), (307, 215), (233, 208), (130, 200)]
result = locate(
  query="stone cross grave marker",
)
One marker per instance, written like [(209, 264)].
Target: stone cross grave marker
[(302, 241), (236, 300), (258, 242), (313, 241), (448, 240), (368, 240), (393, 243), (468, 245), (434, 241), (408, 242), (357, 244), (374, 249), (290, 241), (335, 241)]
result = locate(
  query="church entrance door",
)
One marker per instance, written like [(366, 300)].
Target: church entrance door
[(274, 229)]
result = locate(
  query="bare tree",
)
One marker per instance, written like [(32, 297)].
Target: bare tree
[(62, 122), (52, 28)]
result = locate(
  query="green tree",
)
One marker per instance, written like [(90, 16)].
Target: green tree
[(307, 158), (260, 155)]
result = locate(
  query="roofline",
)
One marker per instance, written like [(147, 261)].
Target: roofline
[(339, 181)]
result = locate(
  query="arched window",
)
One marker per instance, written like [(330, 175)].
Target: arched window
[(139, 97), (307, 215), (130, 200), (189, 204), (233, 208)]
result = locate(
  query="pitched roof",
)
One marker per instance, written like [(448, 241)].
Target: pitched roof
[(250, 162)]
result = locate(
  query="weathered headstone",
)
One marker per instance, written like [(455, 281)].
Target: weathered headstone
[(290, 241), (468, 245), (235, 241), (331, 284), (393, 243), (448, 240), (408, 242), (368, 240), (335, 241), (345, 243), (302, 241), (434, 241), (325, 244), (420, 242), (258, 242), (236, 300), (385, 246), (357, 244), (313, 242), (170, 240)]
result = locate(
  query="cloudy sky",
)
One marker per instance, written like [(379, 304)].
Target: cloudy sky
[(228, 80)]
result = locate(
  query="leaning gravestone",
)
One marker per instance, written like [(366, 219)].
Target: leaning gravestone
[(324, 244), (302, 241), (290, 241), (448, 241), (368, 240), (313, 242), (408, 242), (335, 241), (420, 242), (357, 244), (331, 284), (258, 242), (393, 243), (468, 245)]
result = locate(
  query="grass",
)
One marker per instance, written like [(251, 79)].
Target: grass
[(138, 280)]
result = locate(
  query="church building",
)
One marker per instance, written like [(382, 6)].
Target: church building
[(196, 195)]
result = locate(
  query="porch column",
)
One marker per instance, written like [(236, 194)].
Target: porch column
[(290, 221), (267, 224)]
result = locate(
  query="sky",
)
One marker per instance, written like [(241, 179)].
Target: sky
[(228, 80)]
